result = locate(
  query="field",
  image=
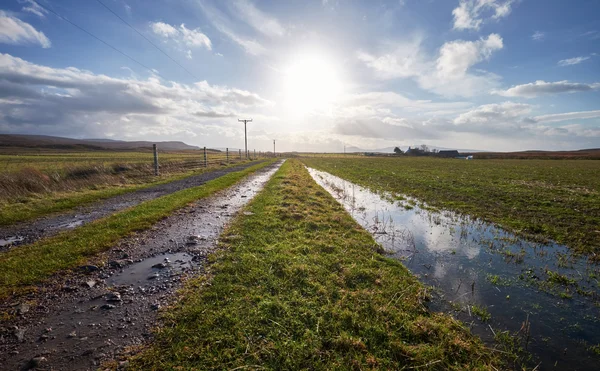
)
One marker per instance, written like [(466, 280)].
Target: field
[(293, 281), (298, 284), (35, 182), (28, 265), (541, 199)]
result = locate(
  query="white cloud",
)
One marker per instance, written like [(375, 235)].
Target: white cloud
[(471, 14), (34, 8), (572, 61), (252, 47), (498, 113), (502, 126), (182, 35), (163, 29), (449, 75), (541, 87), (194, 38), (15, 31), (405, 60), (389, 99), (259, 20), (557, 117), (538, 36), (222, 23), (457, 57), (38, 98)]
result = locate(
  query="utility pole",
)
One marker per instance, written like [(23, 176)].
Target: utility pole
[(245, 121), (274, 155)]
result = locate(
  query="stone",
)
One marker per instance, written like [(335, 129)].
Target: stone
[(113, 297), (19, 334), (90, 284), (22, 308), (35, 362), (107, 307), (72, 335), (89, 268), (115, 264), (159, 266)]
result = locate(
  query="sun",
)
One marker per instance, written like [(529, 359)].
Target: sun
[(311, 85)]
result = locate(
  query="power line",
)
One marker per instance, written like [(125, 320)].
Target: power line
[(99, 39), (148, 40)]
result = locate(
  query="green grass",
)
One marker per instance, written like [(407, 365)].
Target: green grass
[(481, 312), (299, 284), (541, 199), (30, 264), (41, 204), (37, 182), (561, 279)]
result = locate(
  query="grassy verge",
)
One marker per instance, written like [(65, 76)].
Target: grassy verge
[(299, 285), (40, 204), (541, 199), (30, 264)]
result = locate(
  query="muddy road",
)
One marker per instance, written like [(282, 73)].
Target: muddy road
[(28, 232), (79, 321)]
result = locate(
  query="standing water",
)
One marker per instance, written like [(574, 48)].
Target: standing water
[(536, 295)]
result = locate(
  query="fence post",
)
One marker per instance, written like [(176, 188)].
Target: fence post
[(227, 155), (254, 154), (205, 157), (155, 159), (240, 154)]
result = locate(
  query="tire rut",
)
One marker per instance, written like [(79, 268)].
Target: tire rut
[(29, 232), (79, 321)]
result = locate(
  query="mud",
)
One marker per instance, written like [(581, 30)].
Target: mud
[(29, 232), (100, 311)]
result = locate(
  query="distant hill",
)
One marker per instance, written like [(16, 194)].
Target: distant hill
[(404, 148), (43, 141), (591, 153)]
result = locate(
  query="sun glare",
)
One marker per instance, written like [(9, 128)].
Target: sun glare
[(311, 84)]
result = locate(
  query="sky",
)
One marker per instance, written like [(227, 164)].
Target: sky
[(315, 75)]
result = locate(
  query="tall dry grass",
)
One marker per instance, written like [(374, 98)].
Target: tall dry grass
[(28, 180)]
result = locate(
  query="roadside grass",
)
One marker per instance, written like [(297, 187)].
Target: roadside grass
[(30, 264), (57, 182), (36, 205), (539, 199), (298, 284)]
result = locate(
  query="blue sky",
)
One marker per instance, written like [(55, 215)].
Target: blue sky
[(315, 74)]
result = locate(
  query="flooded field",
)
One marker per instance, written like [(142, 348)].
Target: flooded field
[(525, 295)]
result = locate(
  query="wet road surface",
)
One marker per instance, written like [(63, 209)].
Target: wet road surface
[(29, 232), (83, 319)]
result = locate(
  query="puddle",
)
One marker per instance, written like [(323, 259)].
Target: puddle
[(152, 270), (107, 312), (4, 242), (469, 262), (70, 225)]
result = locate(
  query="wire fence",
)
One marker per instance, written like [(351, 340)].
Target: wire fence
[(27, 172)]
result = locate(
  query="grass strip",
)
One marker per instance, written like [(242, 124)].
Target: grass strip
[(32, 207), (539, 199), (30, 264), (300, 285)]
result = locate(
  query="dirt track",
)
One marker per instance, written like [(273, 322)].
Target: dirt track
[(78, 322), (28, 232)]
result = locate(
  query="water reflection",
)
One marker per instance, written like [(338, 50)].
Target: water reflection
[(469, 263)]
